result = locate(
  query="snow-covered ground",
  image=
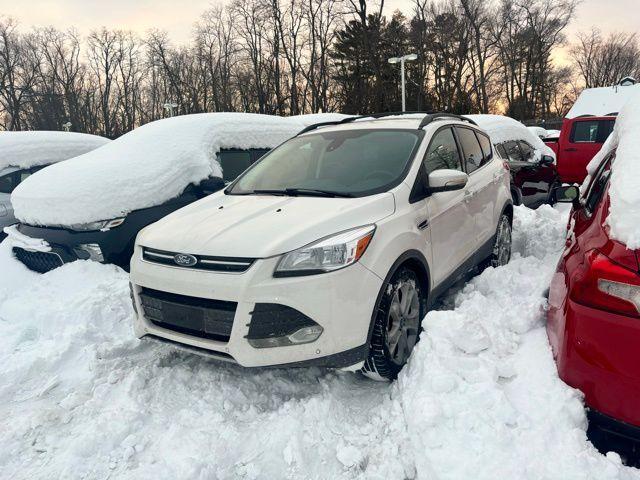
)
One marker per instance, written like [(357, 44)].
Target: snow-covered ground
[(480, 398)]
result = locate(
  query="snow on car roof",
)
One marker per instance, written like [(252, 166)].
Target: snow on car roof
[(147, 166), (624, 186), (37, 148), (504, 129), (601, 101)]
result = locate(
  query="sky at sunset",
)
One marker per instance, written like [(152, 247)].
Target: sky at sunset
[(178, 17)]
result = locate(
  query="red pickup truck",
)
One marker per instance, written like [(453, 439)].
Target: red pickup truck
[(587, 126), (580, 139)]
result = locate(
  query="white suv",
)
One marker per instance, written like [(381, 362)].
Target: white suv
[(330, 250)]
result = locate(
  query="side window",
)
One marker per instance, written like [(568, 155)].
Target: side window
[(442, 152), (528, 153), (502, 151), (598, 186), (8, 183), (485, 143), (258, 154), (591, 131), (471, 148), (234, 162), (513, 151)]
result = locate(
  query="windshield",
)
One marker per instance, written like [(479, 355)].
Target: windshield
[(344, 163)]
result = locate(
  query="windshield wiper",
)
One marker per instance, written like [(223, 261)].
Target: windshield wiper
[(304, 191)]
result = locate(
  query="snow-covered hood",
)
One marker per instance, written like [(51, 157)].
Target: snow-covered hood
[(260, 226), (37, 148), (147, 166)]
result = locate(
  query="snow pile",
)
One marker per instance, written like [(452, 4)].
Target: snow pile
[(34, 149), (504, 129), (146, 167), (602, 101), (538, 132), (480, 398)]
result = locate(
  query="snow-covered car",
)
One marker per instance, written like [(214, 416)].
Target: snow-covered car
[(539, 132), (594, 297), (331, 248), (92, 207), (534, 176), (24, 153)]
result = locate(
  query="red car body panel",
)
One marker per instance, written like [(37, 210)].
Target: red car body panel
[(574, 156), (595, 343)]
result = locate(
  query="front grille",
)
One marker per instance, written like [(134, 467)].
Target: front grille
[(40, 262), (199, 317), (201, 262)]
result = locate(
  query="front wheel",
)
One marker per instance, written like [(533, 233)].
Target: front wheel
[(396, 326), (501, 253)]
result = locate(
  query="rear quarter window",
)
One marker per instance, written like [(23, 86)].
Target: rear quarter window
[(591, 131)]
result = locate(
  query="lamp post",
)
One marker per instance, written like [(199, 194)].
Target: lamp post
[(401, 60), (169, 106)]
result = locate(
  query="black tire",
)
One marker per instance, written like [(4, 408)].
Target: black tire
[(384, 361), (501, 253)]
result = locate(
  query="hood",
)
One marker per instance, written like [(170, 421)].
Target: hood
[(260, 226)]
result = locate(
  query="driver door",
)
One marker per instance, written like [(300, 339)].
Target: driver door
[(451, 224)]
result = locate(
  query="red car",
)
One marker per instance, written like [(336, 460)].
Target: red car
[(580, 139), (593, 319)]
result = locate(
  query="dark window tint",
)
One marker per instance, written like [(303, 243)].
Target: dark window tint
[(8, 182), (528, 153), (471, 149), (234, 162), (442, 152), (513, 151), (591, 131), (258, 154), (502, 151), (485, 143), (598, 185)]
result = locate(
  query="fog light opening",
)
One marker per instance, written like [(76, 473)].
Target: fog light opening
[(299, 337), (89, 251)]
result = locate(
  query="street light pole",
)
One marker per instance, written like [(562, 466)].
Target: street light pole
[(401, 61)]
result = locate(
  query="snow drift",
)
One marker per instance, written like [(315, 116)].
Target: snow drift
[(80, 397), (146, 167), (504, 129), (34, 149)]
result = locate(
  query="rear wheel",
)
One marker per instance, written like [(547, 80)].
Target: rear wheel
[(501, 253), (396, 326)]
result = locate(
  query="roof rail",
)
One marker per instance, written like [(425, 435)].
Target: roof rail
[(438, 116), (429, 117)]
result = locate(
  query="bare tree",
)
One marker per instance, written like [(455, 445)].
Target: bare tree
[(603, 61)]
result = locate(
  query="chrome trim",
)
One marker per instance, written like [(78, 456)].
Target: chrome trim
[(219, 262), (160, 255)]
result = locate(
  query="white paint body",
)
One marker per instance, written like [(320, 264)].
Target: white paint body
[(342, 302)]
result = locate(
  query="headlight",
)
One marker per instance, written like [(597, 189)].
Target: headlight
[(101, 225), (328, 254)]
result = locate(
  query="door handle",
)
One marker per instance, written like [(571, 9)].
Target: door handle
[(571, 149), (423, 224)]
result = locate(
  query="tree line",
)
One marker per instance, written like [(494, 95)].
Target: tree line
[(289, 57)]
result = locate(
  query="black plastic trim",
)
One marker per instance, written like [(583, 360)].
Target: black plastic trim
[(270, 320)]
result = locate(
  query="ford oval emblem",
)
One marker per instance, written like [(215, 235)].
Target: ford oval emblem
[(185, 260)]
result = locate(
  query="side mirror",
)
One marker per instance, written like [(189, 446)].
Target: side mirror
[(547, 160), (211, 185), (447, 180), (566, 194)]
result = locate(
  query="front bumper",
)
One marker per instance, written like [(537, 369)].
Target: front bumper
[(341, 302)]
